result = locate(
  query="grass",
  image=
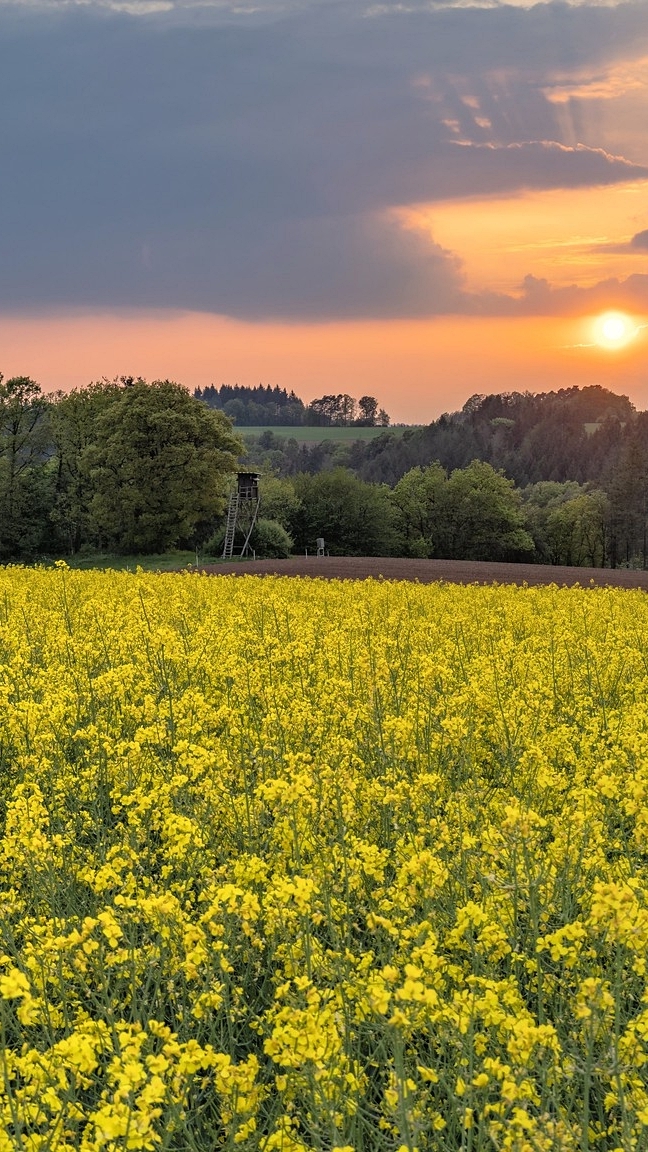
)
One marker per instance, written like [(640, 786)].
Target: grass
[(164, 562), (311, 435)]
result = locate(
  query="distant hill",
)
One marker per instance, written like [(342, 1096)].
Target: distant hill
[(571, 434)]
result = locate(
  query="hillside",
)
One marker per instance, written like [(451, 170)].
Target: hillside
[(578, 434), (571, 434)]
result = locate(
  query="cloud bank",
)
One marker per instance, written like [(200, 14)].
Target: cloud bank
[(640, 242), (247, 162)]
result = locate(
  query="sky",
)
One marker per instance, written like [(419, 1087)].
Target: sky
[(420, 200)]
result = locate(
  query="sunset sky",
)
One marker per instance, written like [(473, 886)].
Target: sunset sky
[(420, 200)]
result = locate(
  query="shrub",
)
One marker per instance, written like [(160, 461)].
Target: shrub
[(269, 541)]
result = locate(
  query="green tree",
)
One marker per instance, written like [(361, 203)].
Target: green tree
[(355, 518), (576, 530), (539, 502), (279, 501), (482, 517), (74, 431), (417, 500), (367, 411), (325, 409), (236, 411), (157, 467), (629, 500), (347, 410), (26, 476)]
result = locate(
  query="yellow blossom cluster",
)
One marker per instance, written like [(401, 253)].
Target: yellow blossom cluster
[(299, 866)]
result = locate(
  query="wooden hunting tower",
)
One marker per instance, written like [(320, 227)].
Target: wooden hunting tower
[(242, 511)]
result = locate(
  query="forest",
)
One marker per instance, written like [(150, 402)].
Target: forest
[(265, 405), (575, 462), (132, 467), (571, 434)]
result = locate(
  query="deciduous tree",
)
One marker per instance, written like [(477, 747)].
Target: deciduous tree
[(367, 411), (74, 431), (26, 484), (418, 505), (157, 467), (354, 518), (483, 519)]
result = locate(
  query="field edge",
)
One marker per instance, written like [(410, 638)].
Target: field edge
[(431, 571)]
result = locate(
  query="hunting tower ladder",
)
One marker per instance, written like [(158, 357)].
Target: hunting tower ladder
[(242, 511)]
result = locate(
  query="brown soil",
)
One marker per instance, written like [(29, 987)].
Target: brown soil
[(430, 571)]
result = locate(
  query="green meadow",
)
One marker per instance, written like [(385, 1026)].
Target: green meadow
[(314, 435)]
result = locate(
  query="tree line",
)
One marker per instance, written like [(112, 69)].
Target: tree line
[(571, 434), (248, 407), (131, 467), (472, 513), (578, 458)]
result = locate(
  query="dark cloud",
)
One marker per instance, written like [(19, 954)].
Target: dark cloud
[(640, 241), (200, 158), (537, 297)]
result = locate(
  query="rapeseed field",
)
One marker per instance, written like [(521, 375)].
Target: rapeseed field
[(301, 866)]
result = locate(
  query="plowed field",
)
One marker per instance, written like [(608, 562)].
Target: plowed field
[(430, 571)]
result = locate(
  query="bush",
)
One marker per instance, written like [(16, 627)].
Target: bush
[(269, 541), (214, 546)]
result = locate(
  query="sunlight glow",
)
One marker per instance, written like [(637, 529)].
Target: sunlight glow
[(614, 329)]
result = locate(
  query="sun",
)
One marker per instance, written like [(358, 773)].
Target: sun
[(614, 329)]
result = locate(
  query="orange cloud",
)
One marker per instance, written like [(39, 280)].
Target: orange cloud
[(558, 234), (619, 80)]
